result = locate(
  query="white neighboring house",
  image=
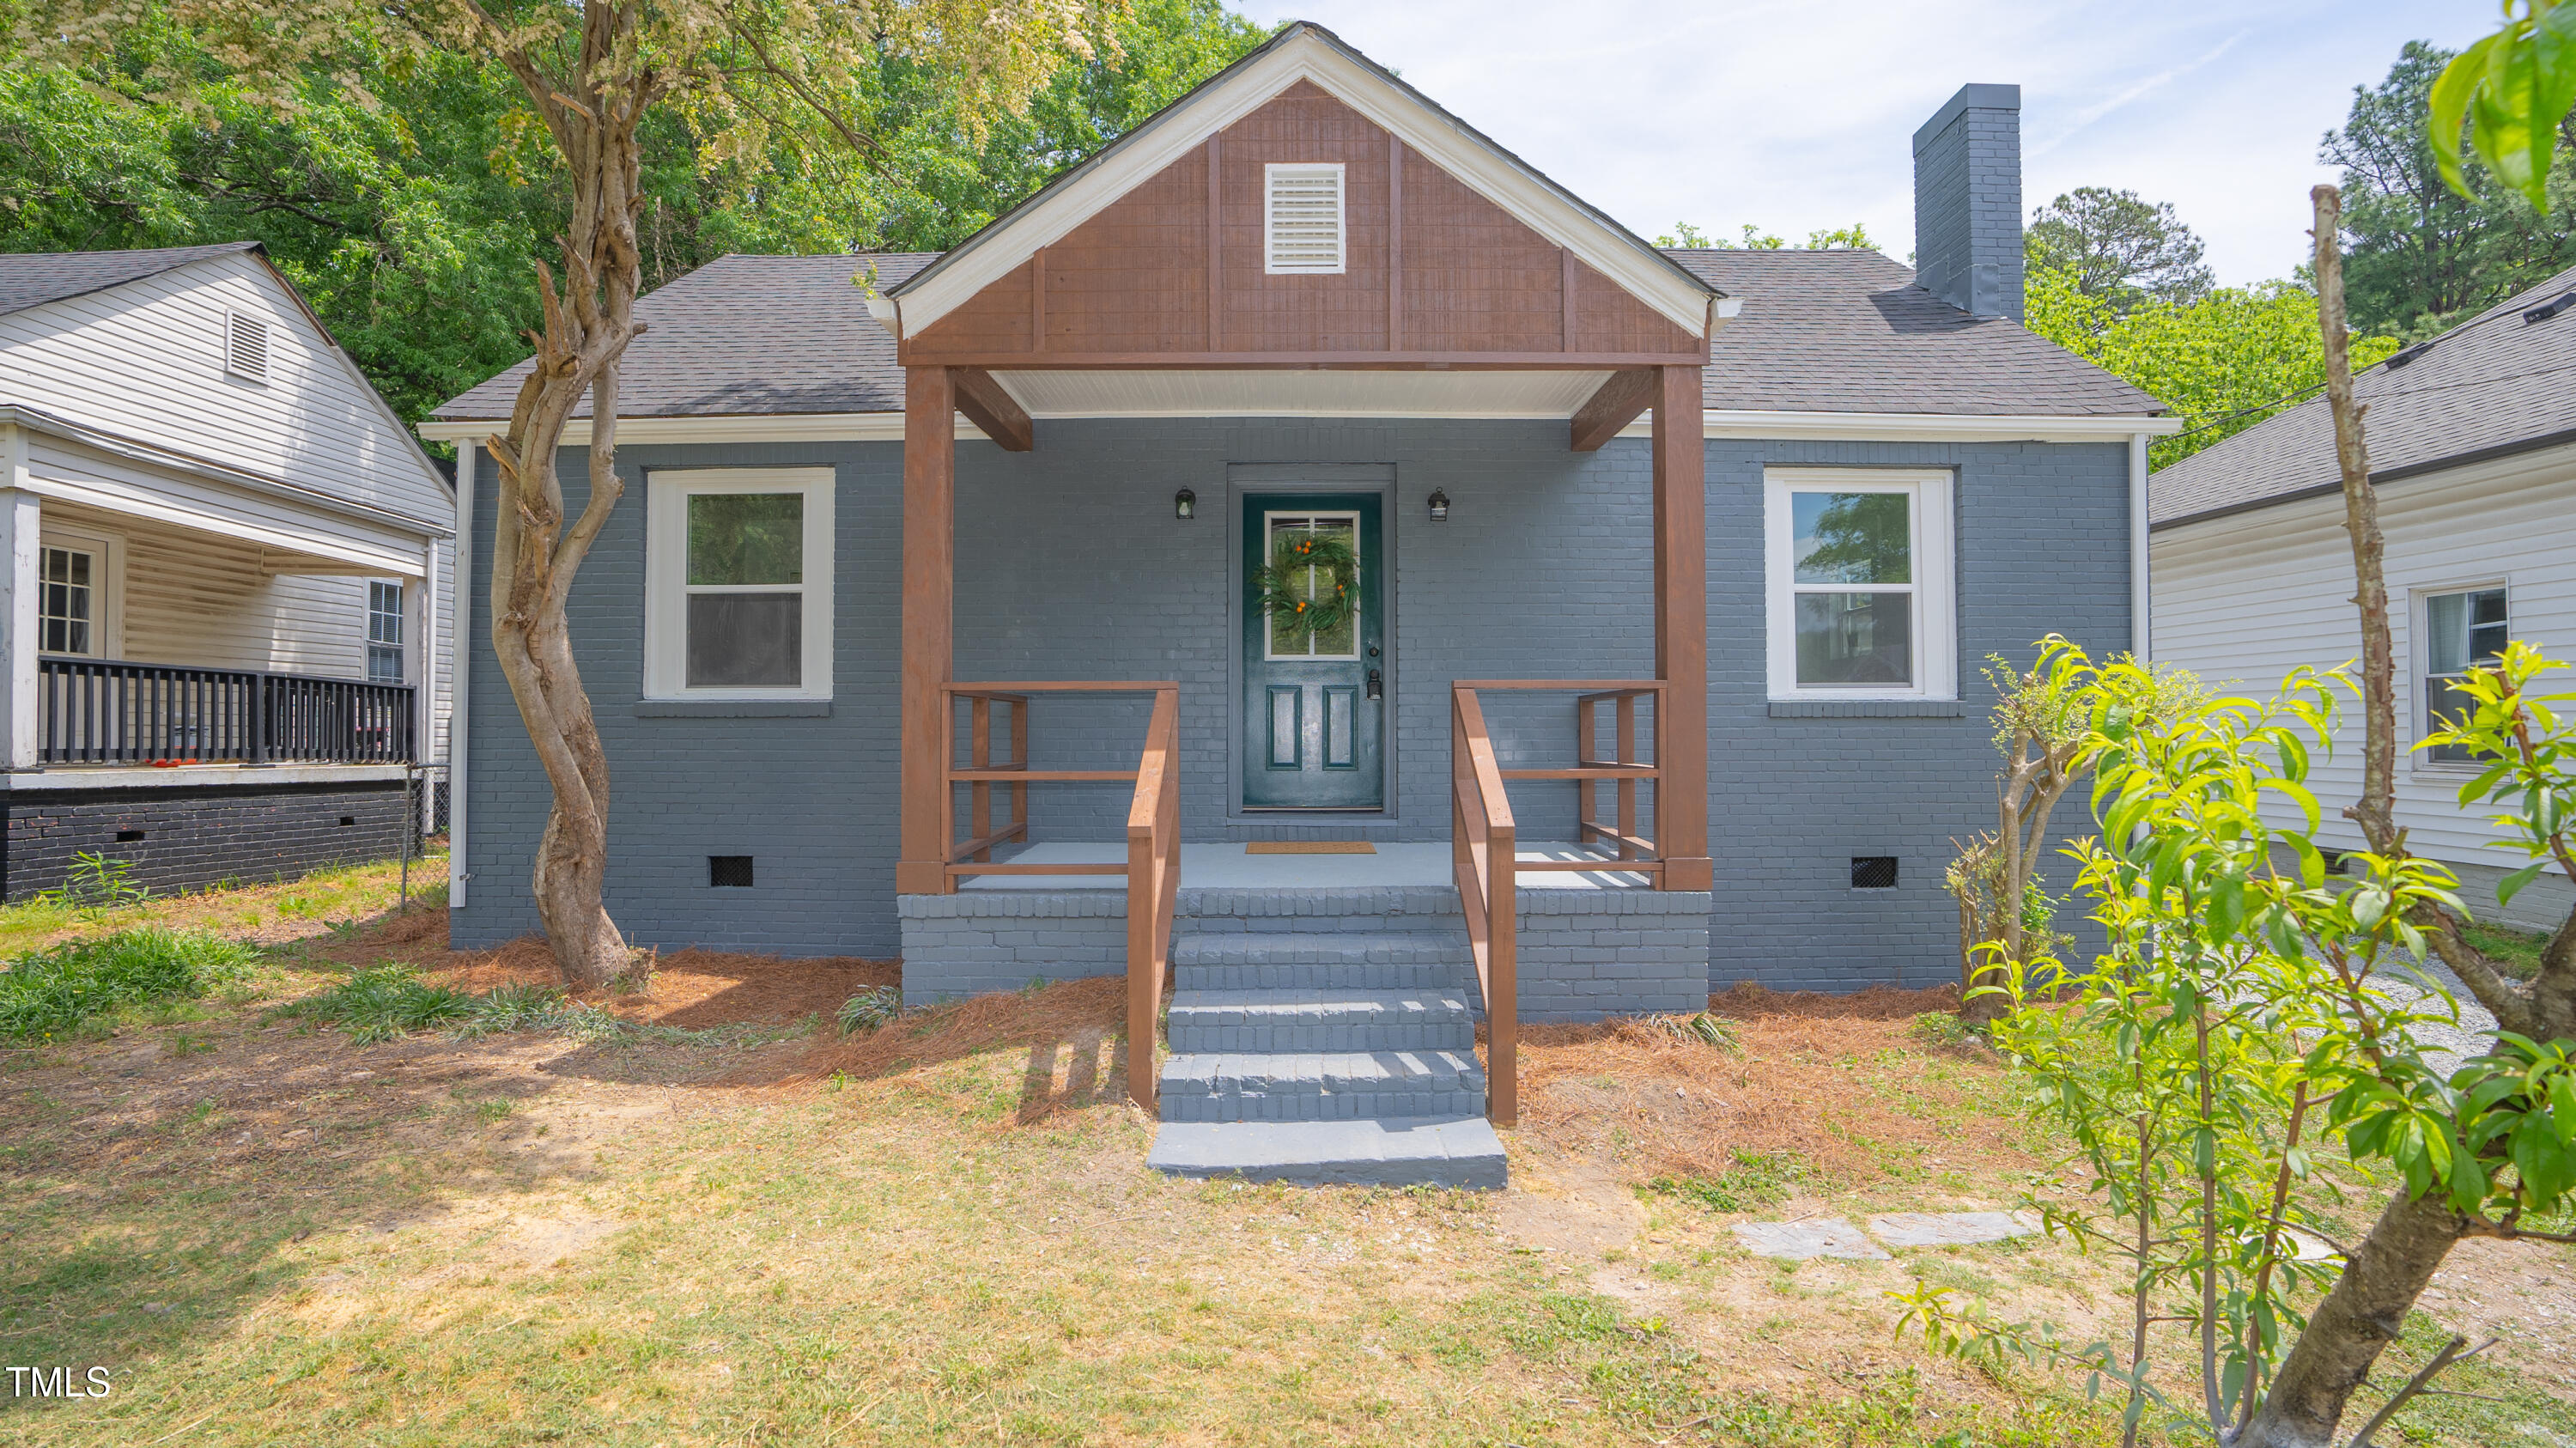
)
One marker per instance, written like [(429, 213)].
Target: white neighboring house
[(227, 584), (2473, 454)]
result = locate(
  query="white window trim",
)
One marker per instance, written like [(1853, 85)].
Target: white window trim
[(1270, 263), (403, 623), (2417, 668), (1936, 622), (666, 529), (107, 591)]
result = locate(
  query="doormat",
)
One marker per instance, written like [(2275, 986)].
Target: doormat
[(1310, 847)]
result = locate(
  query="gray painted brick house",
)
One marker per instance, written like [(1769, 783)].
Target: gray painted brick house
[(1305, 303)]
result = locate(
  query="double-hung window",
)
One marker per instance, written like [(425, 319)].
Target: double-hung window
[(1857, 584), (2462, 630), (384, 632), (739, 588), (67, 592)]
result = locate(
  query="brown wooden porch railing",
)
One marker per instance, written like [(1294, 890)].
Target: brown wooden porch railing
[(1483, 840), (111, 711), (1153, 863)]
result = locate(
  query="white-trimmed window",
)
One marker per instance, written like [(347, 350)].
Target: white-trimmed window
[(68, 584), (2463, 628), (385, 632), (738, 589), (1857, 567), (1302, 219)]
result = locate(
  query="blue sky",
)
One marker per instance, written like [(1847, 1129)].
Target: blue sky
[(1799, 116)]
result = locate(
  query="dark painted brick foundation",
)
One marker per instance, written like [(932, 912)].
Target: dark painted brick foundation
[(194, 837)]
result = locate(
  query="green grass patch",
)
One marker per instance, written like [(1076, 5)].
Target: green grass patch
[(382, 1004), (55, 993), (2515, 952), (1758, 1179)]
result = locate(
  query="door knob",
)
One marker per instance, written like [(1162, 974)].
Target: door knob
[(1376, 683)]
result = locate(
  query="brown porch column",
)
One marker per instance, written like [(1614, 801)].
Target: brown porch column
[(929, 622), (1681, 630)]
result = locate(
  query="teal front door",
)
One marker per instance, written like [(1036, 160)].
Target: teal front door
[(1314, 705)]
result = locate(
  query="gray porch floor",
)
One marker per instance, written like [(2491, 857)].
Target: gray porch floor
[(1225, 866)]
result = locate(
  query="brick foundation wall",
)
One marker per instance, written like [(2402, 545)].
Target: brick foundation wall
[(1584, 954), (194, 837)]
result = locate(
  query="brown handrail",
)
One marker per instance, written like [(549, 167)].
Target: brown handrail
[(1153, 863), (1482, 850), (1153, 888), (1637, 853)]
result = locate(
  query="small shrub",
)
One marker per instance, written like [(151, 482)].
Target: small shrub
[(55, 992), (382, 1004), (1941, 1030), (876, 1006), (96, 882), (513, 1007), (1758, 1179), (1699, 1028)]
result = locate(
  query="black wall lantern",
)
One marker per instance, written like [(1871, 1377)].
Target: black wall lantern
[(1185, 505), (1439, 506)]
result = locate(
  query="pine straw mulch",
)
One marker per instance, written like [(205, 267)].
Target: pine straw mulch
[(1081, 1013), (693, 989), (1842, 1082)]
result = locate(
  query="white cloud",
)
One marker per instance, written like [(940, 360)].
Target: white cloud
[(1796, 116)]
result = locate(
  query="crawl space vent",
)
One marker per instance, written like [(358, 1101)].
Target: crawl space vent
[(127, 837), (246, 346), (729, 871), (1302, 217), (1873, 872)]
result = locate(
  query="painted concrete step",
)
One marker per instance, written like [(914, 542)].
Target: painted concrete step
[(1440, 1151), (1217, 1021), (1308, 960), (1321, 1086)]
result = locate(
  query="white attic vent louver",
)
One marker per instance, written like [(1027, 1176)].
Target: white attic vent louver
[(1302, 217), (246, 346)]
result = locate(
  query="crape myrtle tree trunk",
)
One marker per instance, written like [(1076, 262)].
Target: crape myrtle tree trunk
[(2390, 1268), (772, 82)]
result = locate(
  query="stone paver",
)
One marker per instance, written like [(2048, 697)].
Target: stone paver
[(1813, 1237), (1947, 1229)]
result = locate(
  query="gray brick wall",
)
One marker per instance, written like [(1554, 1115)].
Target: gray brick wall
[(1967, 201), (1583, 954), (1071, 565), (195, 837)]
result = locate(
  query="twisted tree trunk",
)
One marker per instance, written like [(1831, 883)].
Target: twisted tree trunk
[(589, 322)]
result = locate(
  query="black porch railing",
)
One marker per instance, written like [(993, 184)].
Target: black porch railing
[(108, 711)]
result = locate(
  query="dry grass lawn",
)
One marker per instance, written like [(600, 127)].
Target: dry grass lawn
[(942, 1232)]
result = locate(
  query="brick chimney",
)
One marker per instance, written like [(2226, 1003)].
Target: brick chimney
[(1967, 202)]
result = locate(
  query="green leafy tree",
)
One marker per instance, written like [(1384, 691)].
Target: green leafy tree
[(1854, 237), (2510, 95), (405, 202), (2223, 363), (780, 94), (2121, 250), (2423, 251)]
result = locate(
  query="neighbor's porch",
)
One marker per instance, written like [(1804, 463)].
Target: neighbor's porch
[(149, 633)]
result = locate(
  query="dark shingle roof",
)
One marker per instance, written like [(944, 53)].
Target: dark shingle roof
[(748, 334), (1821, 331), (29, 279), (2492, 385), (1848, 331)]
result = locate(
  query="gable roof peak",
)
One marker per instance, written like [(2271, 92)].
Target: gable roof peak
[(1301, 51)]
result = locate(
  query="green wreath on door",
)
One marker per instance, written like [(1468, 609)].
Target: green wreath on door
[(1336, 596)]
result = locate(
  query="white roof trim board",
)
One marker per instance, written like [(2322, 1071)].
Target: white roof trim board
[(1309, 53), (1798, 426)]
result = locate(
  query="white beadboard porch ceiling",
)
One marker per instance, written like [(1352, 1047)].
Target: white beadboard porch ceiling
[(1263, 393)]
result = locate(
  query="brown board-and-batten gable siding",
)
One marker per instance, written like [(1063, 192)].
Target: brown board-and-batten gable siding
[(1432, 269)]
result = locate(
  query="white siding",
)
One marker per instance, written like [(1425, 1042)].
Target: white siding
[(146, 360), (2243, 600)]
